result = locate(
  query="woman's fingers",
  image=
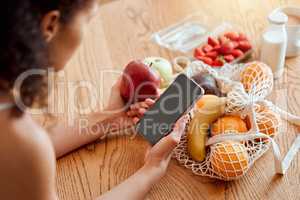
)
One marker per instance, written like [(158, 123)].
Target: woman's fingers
[(139, 109), (139, 105), (131, 113), (159, 92), (136, 113), (141, 112), (144, 104), (135, 120), (180, 124), (165, 146), (149, 102), (183, 119)]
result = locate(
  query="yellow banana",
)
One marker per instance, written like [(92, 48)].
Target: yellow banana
[(209, 109)]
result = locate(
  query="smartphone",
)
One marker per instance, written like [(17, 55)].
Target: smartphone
[(177, 99)]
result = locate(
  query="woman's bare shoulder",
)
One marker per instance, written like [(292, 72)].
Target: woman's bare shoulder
[(28, 161)]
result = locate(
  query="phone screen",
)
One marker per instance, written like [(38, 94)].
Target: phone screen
[(178, 98)]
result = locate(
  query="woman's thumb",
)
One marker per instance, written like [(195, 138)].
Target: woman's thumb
[(166, 145)]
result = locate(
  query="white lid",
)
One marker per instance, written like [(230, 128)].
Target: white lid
[(278, 17)]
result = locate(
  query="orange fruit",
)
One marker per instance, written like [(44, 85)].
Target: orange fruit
[(229, 159), (268, 121), (229, 124), (253, 75)]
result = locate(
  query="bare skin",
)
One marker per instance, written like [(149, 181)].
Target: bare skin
[(28, 153)]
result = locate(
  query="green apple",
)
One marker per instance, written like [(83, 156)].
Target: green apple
[(163, 67)]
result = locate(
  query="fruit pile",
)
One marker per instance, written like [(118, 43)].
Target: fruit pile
[(228, 159), (226, 49), (143, 79)]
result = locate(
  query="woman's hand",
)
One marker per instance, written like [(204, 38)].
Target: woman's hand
[(137, 110), (158, 157), (156, 163), (134, 112)]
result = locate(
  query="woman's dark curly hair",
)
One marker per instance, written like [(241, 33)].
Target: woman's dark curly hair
[(23, 46)]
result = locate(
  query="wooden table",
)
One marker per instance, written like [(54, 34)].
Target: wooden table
[(121, 33)]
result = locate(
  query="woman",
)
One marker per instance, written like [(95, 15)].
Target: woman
[(37, 34)]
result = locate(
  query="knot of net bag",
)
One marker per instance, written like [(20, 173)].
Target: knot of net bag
[(200, 67), (256, 82), (257, 79)]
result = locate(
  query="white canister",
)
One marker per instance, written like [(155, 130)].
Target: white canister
[(293, 30), (274, 43)]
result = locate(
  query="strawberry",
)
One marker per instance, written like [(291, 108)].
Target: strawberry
[(217, 48), (242, 37), (233, 36), (244, 46), (217, 63), (198, 53), (207, 48), (212, 41), (229, 58), (206, 60), (223, 40), (213, 54), (227, 48), (235, 44), (237, 53)]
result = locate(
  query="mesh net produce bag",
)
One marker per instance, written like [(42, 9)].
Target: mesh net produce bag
[(230, 155)]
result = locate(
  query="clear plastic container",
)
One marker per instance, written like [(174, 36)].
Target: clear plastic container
[(193, 32), (188, 34)]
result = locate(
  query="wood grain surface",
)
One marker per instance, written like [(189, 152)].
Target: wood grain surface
[(121, 32)]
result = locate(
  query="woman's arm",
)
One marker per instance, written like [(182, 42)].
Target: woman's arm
[(134, 188), (84, 131), (66, 138), (157, 160)]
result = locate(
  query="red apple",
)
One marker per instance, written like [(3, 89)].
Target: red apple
[(139, 82)]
